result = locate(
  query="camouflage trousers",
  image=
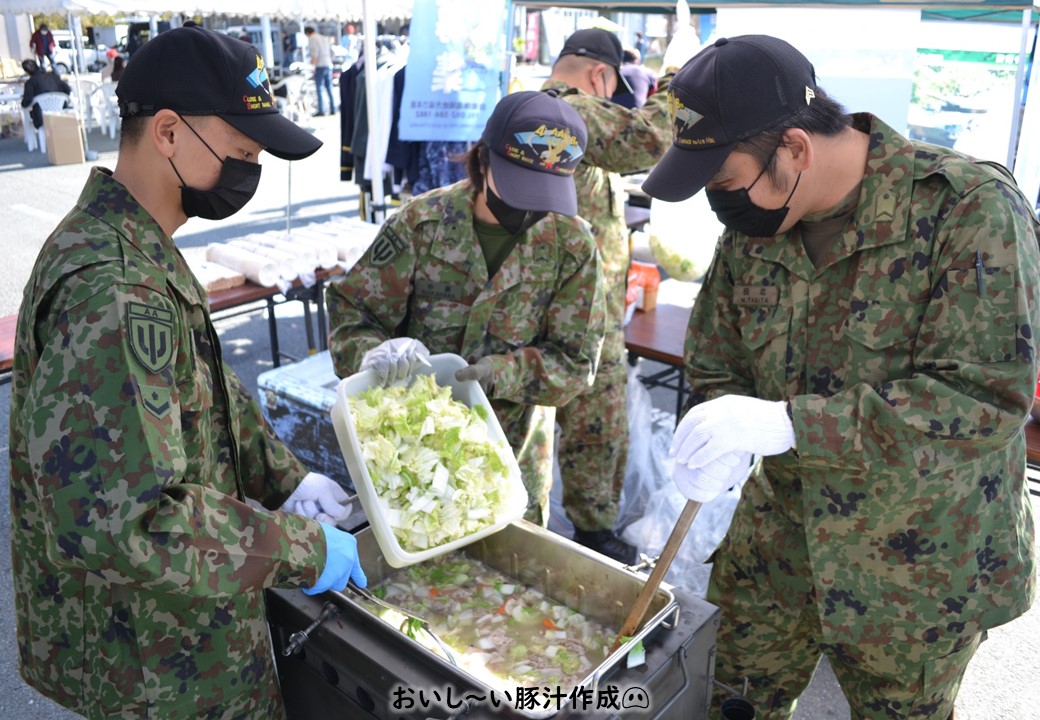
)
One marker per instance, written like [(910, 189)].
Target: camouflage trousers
[(593, 449), (771, 634), (245, 707)]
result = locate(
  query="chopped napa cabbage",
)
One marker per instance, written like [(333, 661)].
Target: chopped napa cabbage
[(431, 461)]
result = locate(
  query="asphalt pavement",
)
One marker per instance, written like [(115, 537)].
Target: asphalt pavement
[(1000, 683)]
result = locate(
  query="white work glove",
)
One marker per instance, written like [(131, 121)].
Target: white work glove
[(319, 498), (732, 423), (395, 359), (707, 483), (684, 43)]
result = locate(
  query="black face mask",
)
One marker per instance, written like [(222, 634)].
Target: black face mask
[(235, 187), (735, 210), (513, 220)]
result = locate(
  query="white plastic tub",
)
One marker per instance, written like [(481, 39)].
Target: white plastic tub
[(469, 393)]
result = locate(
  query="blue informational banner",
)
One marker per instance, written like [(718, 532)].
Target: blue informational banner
[(455, 67)]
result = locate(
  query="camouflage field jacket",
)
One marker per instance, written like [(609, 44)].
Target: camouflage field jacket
[(621, 140), (138, 569), (909, 360), (539, 319)]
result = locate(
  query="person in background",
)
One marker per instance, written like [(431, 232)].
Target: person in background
[(642, 81), (40, 82), (321, 58), (42, 45), (117, 68), (493, 268), (133, 44), (351, 42), (869, 327), (641, 44), (151, 505), (593, 447)]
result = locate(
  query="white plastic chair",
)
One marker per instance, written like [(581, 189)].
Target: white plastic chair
[(48, 102), (106, 105), (28, 131), (87, 90), (293, 106)]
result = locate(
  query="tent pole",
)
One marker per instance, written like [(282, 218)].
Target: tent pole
[(77, 61), (1020, 79), (377, 208), (267, 46), (1027, 163)]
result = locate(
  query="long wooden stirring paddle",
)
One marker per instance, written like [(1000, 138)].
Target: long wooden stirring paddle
[(635, 616)]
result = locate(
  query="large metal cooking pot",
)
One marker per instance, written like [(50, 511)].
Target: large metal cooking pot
[(357, 666)]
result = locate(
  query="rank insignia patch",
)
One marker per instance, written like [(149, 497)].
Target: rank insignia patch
[(149, 331), (156, 399)]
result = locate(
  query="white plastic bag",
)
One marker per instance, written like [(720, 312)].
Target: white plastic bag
[(684, 43), (683, 236), (649, 468), (651, 504)]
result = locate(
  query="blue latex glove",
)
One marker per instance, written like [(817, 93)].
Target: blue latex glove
[(341, 562)]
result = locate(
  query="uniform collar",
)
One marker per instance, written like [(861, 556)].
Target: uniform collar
[(562, 87), (883, 214), (455, 242), (455, 239), (110, 202)]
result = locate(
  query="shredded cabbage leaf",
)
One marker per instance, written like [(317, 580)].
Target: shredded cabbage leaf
[(431, 460)]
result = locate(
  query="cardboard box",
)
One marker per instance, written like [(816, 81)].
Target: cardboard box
[(63, 137)]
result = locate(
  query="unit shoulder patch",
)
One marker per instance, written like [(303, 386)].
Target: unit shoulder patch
[(149, 332), (385, 248)]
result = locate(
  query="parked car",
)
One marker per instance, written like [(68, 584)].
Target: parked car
[(65, 53)]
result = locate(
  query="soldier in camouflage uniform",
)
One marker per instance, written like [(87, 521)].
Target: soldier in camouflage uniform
[(491, 269), (868, 325), (139, 566), (593, 448)]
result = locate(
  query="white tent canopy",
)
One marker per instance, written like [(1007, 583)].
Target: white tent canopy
[(316, 9)]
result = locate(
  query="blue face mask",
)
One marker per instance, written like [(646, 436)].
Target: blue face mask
[(235, 187), (735, 210)]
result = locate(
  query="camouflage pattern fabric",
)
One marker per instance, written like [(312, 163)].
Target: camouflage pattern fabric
[(909, 361), (593, 447), (539, 319), (138, 568), (779, 650)]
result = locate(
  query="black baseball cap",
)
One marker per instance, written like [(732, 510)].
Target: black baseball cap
[(601, 45), (194, 71), (729, 91), (536, 142)]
